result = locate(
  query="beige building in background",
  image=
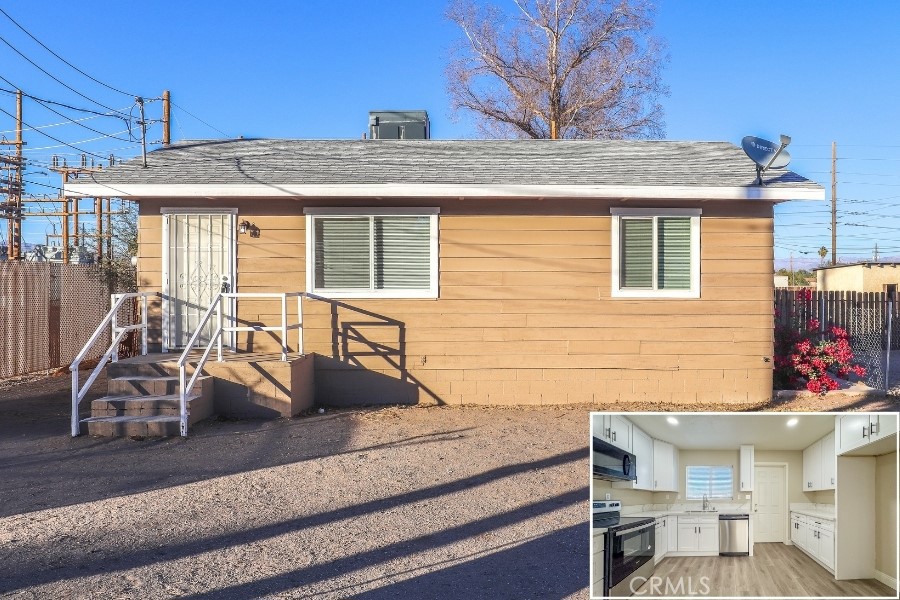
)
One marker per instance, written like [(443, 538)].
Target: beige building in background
[(859, 277)]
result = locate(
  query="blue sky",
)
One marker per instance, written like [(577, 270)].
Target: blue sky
[(818, 71)]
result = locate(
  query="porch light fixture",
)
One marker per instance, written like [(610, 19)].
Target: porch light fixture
[(792, 422), (244, 227), (672, 420)]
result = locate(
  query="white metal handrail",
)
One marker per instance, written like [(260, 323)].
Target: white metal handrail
[(186, 385), (111, 319)]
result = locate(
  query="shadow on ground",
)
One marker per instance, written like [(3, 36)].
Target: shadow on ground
[(43, 467)]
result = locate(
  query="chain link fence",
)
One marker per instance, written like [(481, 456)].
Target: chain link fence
[(47, 313), (871, 319)]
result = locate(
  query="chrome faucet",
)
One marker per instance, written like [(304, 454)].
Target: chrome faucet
[(705, 502)]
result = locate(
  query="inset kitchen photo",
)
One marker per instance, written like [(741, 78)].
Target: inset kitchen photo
[(744, 505)]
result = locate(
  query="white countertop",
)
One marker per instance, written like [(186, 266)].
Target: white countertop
[(675, 513), (818, 514)]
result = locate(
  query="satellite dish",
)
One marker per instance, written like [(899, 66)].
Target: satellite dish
[(767, 155)]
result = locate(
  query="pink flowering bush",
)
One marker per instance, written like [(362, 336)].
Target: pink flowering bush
[(806, 357)]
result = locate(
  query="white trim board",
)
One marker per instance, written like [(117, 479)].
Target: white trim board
[(887, 580), (430, 190)]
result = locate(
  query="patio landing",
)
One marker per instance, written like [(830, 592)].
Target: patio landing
[(245, 385)]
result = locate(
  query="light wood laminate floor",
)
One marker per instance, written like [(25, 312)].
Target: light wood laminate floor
[(774, 570)]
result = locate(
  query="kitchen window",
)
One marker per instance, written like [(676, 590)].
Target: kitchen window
[(372, 253), (711, 481), (655, 253)]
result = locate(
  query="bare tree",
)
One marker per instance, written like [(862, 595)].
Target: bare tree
[(558, 69)]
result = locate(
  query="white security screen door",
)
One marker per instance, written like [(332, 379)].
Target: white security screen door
[(200, 259)]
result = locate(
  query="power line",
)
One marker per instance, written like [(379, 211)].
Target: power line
[(102, 137), (85, 126), (44, 46), (51, 137), (53, 77), (199, 119), (53, 102)]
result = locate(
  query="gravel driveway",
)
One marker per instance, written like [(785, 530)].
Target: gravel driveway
[(369, 504)]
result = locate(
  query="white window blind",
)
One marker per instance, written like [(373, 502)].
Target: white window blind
[(713, 481), (674, 253), (402, 253), (656, 253), (359, 255), (637, 253)]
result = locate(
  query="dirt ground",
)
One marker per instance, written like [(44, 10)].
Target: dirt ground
[(368, 503)]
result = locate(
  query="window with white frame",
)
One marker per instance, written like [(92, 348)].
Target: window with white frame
[(655, 253), (372, 253), (710, 481)]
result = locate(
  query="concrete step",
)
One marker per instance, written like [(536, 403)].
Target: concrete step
[(126, 426), (156, 368), (198, 406), (145, 385)]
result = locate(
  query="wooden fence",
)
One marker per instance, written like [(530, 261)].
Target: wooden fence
[(47, 313), (838, 308)]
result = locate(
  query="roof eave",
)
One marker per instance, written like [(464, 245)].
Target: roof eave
[(419, 190)]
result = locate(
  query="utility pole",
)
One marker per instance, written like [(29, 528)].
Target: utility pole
[(16, 239), (791, 278), (143, 124), (166, 113), (833, 203)]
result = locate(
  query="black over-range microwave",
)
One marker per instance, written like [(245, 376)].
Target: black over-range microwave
[(612, 463)]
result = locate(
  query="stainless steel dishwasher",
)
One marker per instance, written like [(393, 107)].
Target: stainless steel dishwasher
[(734, 534)]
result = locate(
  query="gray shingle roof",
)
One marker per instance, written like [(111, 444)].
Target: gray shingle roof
[(469, 162)]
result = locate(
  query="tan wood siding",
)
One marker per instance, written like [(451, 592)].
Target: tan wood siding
[(524, 313)]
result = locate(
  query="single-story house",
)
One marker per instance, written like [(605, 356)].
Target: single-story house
[(473, 271), (865, 276)]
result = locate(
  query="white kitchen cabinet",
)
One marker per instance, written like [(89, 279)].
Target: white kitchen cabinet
[(812, 467), (665, 467), (815, 537), (866, 434), (796, 532), (826, 548), (853, 430), (746, 473), (662, 539), (698, 534), (613, 429), (819, 467), (885, 425), (709, 537), (672, 530), (829, 465), (642, 448), (688, 538)]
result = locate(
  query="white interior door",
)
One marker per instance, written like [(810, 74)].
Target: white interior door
[(769, 510), (200, 258)]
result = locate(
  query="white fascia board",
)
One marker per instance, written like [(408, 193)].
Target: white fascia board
[(426, 190)]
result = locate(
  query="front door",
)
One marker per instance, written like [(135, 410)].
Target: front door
[(768, 504), (199, 263)]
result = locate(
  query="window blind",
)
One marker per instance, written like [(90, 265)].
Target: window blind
[(402, 253), (637, 253), (372, 253), (674, 253), (714, 481), (343, 257)]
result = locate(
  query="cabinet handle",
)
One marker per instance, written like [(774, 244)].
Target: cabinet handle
[(832, 481), (864, 431), (614, 435), (608, 432)]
